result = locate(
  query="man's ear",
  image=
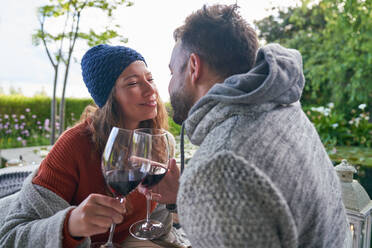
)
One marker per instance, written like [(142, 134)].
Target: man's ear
[(195, 64)]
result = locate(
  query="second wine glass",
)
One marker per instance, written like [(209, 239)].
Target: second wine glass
[(161, 149)]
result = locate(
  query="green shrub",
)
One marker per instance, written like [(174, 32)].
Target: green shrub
[(24, 121), (40, 106), (16, 104), (25, 129), (174, 128), (336, 129)]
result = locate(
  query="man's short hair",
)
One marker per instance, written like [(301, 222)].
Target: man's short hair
[(221, 37)]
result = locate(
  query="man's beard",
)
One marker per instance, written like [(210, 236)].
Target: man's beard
[(181, 103)]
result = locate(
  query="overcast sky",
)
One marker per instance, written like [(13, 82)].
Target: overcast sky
[(148, 25)]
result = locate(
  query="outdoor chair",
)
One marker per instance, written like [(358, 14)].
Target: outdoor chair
[(11, 178)]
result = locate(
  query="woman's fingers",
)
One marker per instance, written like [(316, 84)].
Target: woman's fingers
[(108, 201), (101, 215), (95, 215)]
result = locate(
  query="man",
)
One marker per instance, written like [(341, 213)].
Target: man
[(261, 176)]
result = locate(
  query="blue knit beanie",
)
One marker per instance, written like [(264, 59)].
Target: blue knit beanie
[(102, 65)]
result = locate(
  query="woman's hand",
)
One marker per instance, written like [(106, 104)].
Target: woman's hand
[(95, 215), (166, 190)]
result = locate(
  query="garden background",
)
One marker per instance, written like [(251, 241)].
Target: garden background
[(334, 37)]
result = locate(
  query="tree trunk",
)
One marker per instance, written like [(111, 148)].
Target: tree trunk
[(62, 104), (53, 108)]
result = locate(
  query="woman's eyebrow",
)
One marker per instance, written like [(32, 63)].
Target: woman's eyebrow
[(135, 75), (130, 76)]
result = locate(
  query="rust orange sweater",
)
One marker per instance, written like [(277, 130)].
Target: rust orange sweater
[(73, 171)]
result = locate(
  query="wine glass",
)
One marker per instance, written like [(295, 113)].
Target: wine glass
[(121, 174), (162, 147)]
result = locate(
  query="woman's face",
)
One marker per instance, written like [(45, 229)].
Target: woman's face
[(136, 93)]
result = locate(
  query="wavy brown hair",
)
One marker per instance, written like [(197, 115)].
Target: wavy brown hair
[(103, 119)]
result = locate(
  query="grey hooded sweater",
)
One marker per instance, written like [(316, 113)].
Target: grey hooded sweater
[(261, 176)]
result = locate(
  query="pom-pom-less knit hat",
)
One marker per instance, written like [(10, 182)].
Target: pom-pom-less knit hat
[(102, 65)]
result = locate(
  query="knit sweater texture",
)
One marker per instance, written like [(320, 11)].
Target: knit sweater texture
[(34, 217), (66, 177), (261, 176)]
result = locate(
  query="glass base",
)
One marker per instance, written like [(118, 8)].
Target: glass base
[(147, 230), (104, 245)]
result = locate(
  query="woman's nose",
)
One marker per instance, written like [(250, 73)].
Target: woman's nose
[(149, 88)]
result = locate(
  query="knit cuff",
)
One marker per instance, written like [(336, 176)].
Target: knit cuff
[(68, 240)]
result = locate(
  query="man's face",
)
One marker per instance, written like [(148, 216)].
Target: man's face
[(181, 96)]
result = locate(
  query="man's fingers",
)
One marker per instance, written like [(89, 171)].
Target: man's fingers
[(155, 196), (172, 167)]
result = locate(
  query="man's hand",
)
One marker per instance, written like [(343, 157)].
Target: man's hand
[(166, 190), (95, 215)]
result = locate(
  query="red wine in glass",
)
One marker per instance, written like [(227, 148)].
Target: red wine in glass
[(160, 150), (122, 182), (154, 176)]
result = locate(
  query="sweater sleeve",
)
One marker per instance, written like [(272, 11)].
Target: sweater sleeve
[(226, 202), (35, 218), (58, 171)]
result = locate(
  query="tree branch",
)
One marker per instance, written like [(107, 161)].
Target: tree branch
[(44, 41), (63, 34)]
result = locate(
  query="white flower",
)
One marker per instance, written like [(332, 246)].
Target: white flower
[(362, 106), (357, 120), (335, 125), (331, 105), (322, 110)]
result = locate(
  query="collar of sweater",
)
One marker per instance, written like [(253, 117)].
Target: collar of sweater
[(206, 117)]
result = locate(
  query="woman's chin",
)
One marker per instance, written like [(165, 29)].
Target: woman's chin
[(151, 115)]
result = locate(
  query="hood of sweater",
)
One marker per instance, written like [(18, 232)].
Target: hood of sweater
[(276, 79)]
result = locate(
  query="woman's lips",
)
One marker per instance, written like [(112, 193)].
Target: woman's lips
[(149, 104)]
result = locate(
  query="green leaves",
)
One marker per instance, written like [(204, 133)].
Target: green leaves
[(60, 29), (69, 12), (335, 39), (106, 36), (335, 128)]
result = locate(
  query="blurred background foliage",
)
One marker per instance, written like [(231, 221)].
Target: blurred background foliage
[(335, 40)]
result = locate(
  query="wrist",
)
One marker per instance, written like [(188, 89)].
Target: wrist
[(171, 208), (68, 237)]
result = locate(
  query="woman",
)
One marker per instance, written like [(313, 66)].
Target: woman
[(66, 200)]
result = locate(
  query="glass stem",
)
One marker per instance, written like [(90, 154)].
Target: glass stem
[(111, 236), (148, 202), (109, 243)]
